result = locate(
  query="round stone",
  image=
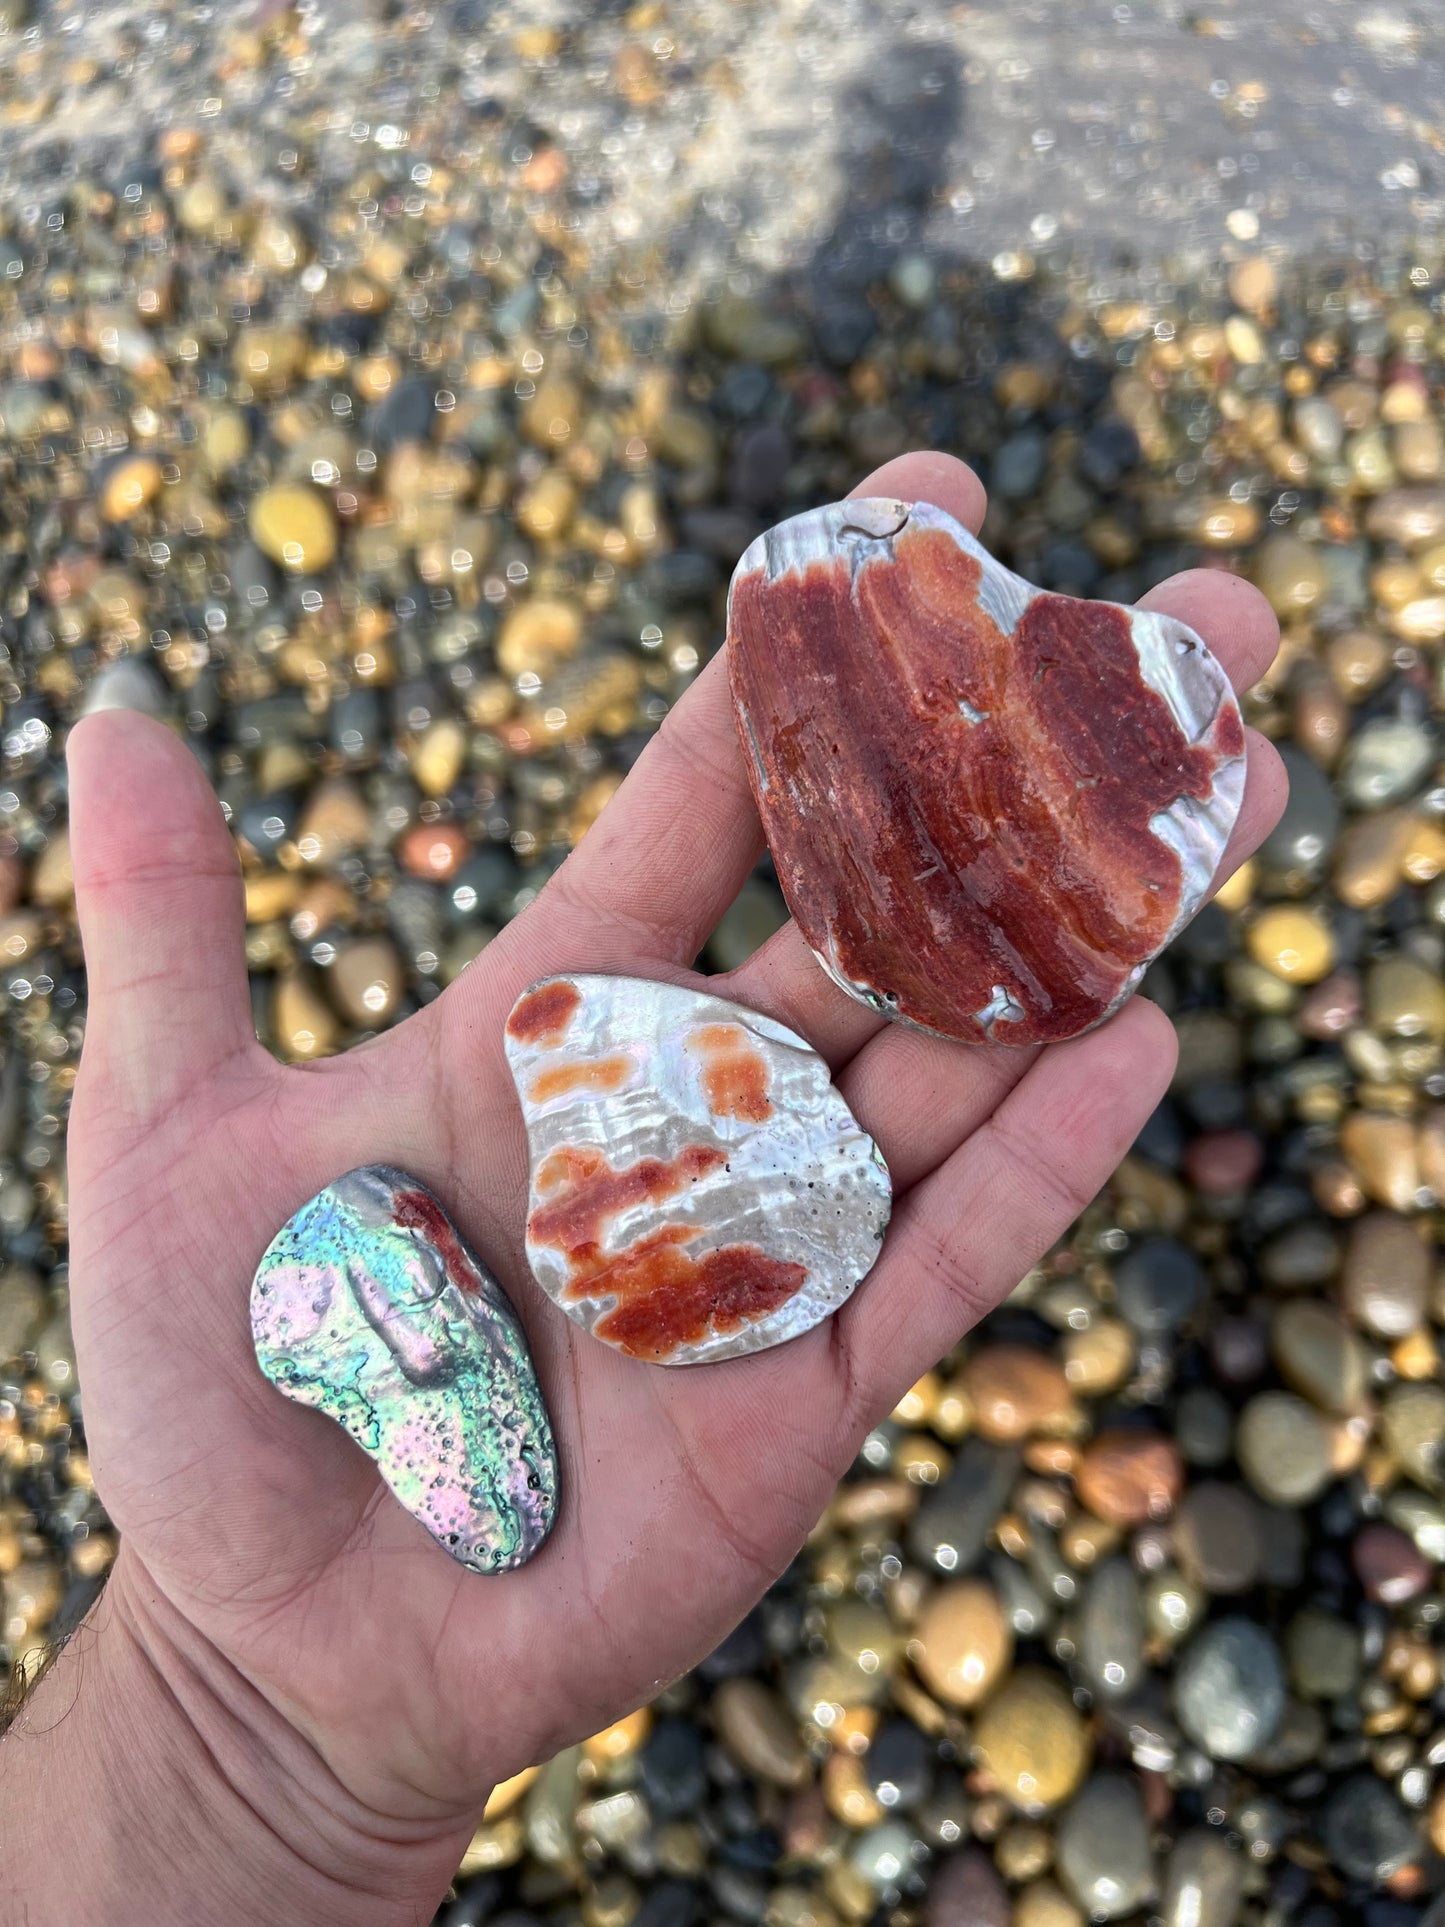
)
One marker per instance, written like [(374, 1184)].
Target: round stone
[(884, 1855), (1367, 1832), (1043, 1904), (966, 1887), (1292, 942), (1291, 573), (1412, 1420), (1386, 1276), (1301, 843), (367, 981), (132, 485), (1103, 1848), (1031, 1741), (1319, 1355), (1157, 1285), (1405, 999), (962, 1643), (1283, 1447), (1229, 1688), (1323, 1652), (1389, 1565), (1217, 1537), (1386, 762), (1204, 1425), (1111, 1630), (1203, 1882), (755, 1727), (1128, 1477), (1015, 1391), (294, 525)]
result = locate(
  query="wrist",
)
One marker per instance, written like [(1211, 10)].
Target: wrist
[(147, 1778)]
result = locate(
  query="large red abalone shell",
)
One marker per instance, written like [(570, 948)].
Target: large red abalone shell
[(990, 807)]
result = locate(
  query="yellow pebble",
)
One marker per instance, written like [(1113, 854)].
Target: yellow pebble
[(1235, 892), (295, 527), (1293, 943), (620, 1740), (507, 1793), (131, 486)]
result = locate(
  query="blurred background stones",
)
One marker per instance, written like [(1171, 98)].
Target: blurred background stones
[(384, 406)]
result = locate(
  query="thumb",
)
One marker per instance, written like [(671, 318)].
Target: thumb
[(162, 917)]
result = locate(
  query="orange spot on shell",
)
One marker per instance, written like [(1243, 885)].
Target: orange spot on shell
[(543, 1014), (665, 1296), (735, 1075), (588, 1074)]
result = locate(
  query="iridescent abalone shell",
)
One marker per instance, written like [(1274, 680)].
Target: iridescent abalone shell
[(990, 807), (699, 1189), (370, 1306)]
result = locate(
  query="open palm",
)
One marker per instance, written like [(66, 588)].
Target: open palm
[(258, 1523)]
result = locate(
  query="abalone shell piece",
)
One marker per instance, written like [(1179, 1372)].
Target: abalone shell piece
[(370, 1306), (698, 1187), (990, 807)]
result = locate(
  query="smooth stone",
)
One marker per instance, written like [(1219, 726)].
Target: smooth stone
[(1126, 1477), (1203, 1881), (949, 1530), (966, 1891), (1317, 428), (367, 981), (884, 1855), (295, 526), (1389, 1565), (1291, 573), (1381, 1151), (1031, 1741), (22, 1309), (883, 817), (1421, 1515), (1412, 1421), (370, 1306), (1157, 1285), (1217, 1537), (1411, 516), (962, 1643), (1284, 1448), (1229, 1688), (1015, 1391), (1385, 1283), (672, 1769), (898, 1766), (1404, 998), (699, 1190), (1303, 840), (1204, 1425), (1367, 1833), (1385, 762), (1323, 1653), (1319, 1356), (758, 1731), (1103, 1848), (1042, 1904), (1111, 1629), (1292, 942)]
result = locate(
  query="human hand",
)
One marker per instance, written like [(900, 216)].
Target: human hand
[(371, 1690)]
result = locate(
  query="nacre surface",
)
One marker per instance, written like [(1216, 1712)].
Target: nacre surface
[(990, 807), (699, 1189), (370, 1306)]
